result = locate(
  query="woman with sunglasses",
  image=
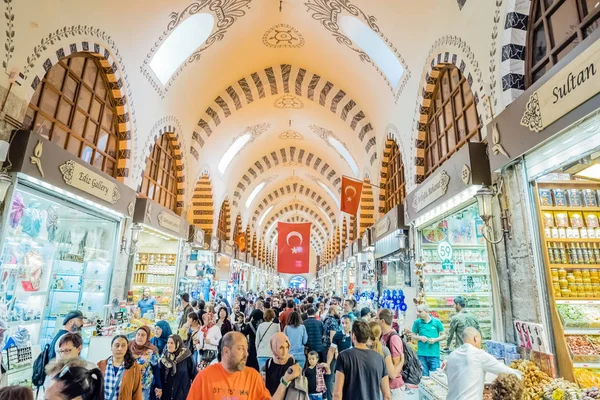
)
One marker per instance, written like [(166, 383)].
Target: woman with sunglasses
[(122, 374), (75, 382)]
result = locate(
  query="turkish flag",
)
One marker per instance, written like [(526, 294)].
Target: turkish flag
[(293, 247), (240, 240), (351, 191)]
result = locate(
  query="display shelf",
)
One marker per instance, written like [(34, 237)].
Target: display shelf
[(586, 365), (584, 299), (575, 266), (572, 240), (457, 246), (23, 323), (457, 274), (439, 294), (457, 262), (582, 331), (566, 182), (565, 208), (577, 300)]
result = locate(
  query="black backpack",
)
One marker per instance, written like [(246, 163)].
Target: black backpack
[(39, 367), (411, 370)]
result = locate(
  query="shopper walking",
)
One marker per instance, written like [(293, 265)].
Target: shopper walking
[(429, 332), (146, 355), (276, 366), (360, 371), (264, 333), (315, 332), (393, 342), (349, 305), (331, 326), (25, 393), (73, 322), (162, 331), (375, 343), (467, 366), (206, 343), (177, 369), (250, 330), (186, 308), (201, 310), (122, 374), (460, 321), (283, 317), (230, 378), (315, 374), (296, 333), (71, 382), (223, 322)]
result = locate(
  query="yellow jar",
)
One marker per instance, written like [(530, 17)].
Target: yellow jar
[(563, 283), (565, 293), (562, 273)]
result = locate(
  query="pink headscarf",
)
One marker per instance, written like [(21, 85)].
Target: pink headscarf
[(277, 340)]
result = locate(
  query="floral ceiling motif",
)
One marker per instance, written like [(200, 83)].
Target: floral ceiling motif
[(288, 101), (283, 36)]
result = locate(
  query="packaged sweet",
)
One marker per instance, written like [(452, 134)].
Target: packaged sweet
[(560, 198), (591, 219), (548, 218), (576, 219), (589, 198), (574, 197), (545, 197), (561, 219)]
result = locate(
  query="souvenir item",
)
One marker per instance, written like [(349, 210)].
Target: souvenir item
[(561, 219), (52, 222), (545, 197), (16, 212), (589, 198), (77, 235), (560, 200), (548, 219), (574, 197), (32, 220), (43, 235), (576, 219), (33, 263)]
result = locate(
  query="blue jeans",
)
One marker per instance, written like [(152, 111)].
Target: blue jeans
[(261, 362), (429, 364), (300, 359), (317, 396), (329, 380)]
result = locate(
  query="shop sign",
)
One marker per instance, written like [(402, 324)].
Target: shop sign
[(214, 244), (169, 221), (364, 241), (88, 181), (355, 247), (444, 251), (347, 252), (574, 84), (431, 190), (382, 227), (228, 249)]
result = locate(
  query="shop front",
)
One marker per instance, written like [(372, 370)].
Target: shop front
[(553, 131), (61, 224), (159, 235), (363, 261), (197, 273), (223, 268), (350, 270), (449, 238), (239, 274)]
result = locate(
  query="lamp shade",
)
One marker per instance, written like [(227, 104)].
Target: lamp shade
[(484, 203)]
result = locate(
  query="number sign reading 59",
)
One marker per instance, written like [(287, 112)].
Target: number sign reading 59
[(444, 251)]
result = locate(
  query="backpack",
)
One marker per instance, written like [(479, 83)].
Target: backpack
[(39, 367), (411, 370)]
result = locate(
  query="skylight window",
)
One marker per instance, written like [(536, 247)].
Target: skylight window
[(333, 196), (344, 152), (260, 221), (232, 151), (180, 44), (254, 193), (372, 44)]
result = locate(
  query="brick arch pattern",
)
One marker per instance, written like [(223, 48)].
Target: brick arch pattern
[(254, 245), (367, 207), (173, 136), (279, 80), (201, 212), (225, 218), (316, 240), (426, 99), (298, 188), (119, 90), (344, 233), (237, 227), (301, 208), (514, 48), (383, 176), (282, 157)]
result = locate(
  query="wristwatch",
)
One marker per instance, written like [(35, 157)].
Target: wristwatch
[(284, 382)]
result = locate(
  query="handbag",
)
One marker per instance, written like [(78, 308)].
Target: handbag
[(263, 336)]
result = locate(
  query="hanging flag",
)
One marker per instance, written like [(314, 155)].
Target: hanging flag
[(351, 191), (240, 240), (293, 248)]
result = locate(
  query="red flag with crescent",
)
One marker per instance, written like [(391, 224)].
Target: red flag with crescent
[(351, 191), (293, 248)]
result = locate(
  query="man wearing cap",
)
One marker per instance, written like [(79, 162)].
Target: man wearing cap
[(459, 322), (72, 323), (187, 309)]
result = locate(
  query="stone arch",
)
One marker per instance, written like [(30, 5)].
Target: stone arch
[(285, 156), (383, 173), (224, 222), (367, 207), (201, 212), (237, 227), (112, 66), (285, 79)]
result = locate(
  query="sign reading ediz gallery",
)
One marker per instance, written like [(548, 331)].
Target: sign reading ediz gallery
[(574, 84), (84, 179)]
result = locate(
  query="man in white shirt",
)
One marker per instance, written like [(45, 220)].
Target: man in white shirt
[(467, 365)]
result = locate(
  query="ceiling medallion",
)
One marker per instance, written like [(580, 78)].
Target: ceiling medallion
[(288, 101), (291, 135), (283, 36)]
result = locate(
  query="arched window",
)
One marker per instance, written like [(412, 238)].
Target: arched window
[(74, 108), (395, 186), (555, 28), (453, 119), (160, 175)]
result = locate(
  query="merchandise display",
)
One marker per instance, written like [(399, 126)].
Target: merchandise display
[(198, 269), (455, 259), (434, 387), (570, 234), (157, 271)]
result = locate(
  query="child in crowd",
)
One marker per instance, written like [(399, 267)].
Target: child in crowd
[(315, 375), (240, 322)]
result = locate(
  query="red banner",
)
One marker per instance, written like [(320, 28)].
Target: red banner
[(293, 248), (351, 191)]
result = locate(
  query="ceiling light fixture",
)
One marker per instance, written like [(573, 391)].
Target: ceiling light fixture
[(591, 172), (232, 151)]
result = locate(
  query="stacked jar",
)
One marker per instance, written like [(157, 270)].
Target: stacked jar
[(583, 283)]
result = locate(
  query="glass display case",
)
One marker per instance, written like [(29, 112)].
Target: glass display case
[(198, 274)]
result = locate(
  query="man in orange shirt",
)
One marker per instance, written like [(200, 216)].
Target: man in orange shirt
[(231, 379), (283, 317)]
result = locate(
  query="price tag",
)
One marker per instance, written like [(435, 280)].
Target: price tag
[(444, 251)]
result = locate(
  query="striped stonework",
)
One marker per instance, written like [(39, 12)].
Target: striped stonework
[(514, 48), (281, 157), (201, 212), (337, 239), (117, 86), (353, 228), (277, 81), (344, 233), (237, 227), (224, 220), (254, 245), (367, 207), (383, 174), (295, 188)]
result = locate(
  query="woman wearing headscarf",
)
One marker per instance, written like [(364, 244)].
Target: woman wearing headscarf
[(162, 331), (177, 369), (206, 343), (146, 355), (277, 365), (250, 330)]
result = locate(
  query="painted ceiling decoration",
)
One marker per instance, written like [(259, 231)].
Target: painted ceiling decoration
[(290, 134), (289, 101), (338, 145), (226, 12), (285, 79), (283, 36), (328, 13), (277, 158)]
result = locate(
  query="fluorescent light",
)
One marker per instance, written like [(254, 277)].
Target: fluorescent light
[(344, 153), (255, 192), (260, 221), (592, 172), (372, 44), (232, 151), (333, 196), (180, 44)]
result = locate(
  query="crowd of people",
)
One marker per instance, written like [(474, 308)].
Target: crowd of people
[(275, 346)]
